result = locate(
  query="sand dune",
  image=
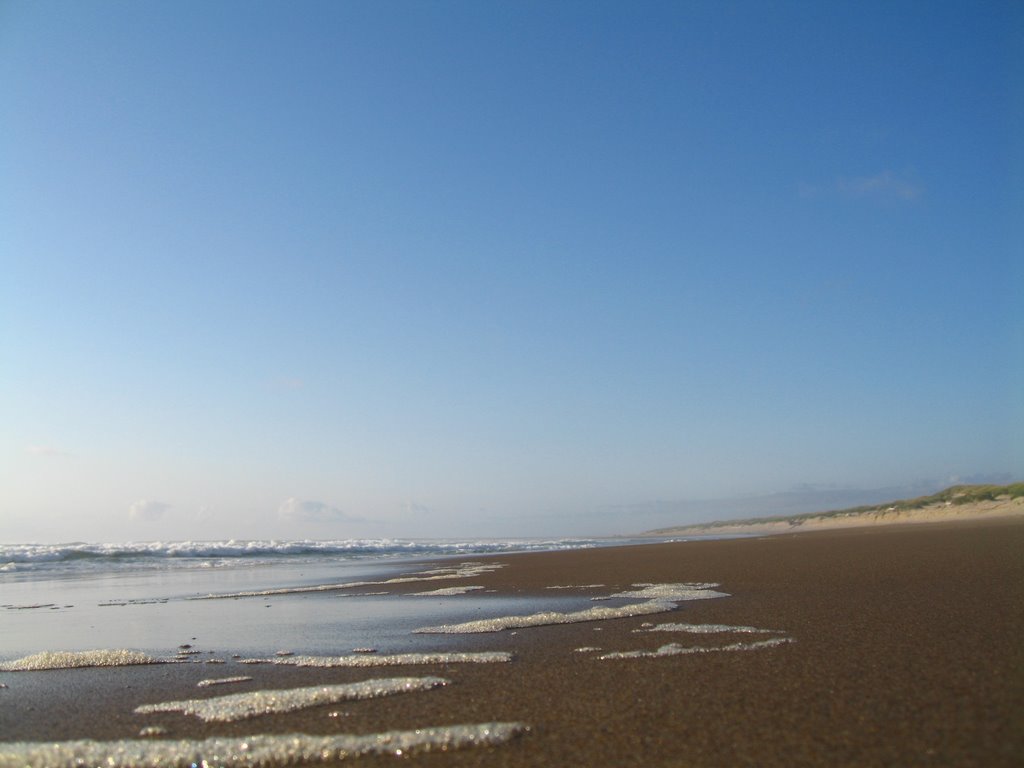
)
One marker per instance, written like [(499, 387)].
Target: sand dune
[(946, 508)]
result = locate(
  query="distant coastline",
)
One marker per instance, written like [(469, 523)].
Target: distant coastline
[(959, 502)]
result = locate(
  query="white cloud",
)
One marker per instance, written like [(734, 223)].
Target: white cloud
[(308, 511), (415, 508), (147, 511), (882, 186)]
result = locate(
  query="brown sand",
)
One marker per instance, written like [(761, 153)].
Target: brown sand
[(909, 650)]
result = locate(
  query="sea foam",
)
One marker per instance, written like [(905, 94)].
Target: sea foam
[(241, 706), (74, 659), (674, 649), (673, 592), (262, 751), (467, 570), (658, 598), (549, 617), (223, 681), (447, 591), (389, 660), (708, 629)]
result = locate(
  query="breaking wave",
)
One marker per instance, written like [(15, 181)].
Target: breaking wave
[(81, 556)]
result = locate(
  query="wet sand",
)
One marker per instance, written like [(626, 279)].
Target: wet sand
[(906, 651)]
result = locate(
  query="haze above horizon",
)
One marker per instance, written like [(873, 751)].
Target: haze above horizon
[(331, 270)]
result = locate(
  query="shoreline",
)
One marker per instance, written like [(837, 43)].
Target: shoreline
[(904, 650)]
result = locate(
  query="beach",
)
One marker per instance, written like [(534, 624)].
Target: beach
[(894, 645)]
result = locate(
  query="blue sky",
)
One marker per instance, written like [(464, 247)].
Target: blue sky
[(352, 269)]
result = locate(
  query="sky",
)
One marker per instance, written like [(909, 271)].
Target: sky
[(405, 269)]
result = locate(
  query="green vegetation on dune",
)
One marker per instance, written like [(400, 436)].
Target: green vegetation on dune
[(965, 494), (956, 495)]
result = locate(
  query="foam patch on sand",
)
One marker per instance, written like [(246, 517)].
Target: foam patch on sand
[(576, 586), (263, 751), (462, 571), (447, 592), (75, 659), (469, 567), (658, 598), (709, 629), (241, 706), (223, 681), (674, 649), (391, 660), (549, 617), (673, 592)]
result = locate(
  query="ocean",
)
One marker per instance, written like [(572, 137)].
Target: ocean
[(270, 596)]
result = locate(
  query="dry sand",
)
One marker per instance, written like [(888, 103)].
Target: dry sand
[(907, 651), (882, 515)]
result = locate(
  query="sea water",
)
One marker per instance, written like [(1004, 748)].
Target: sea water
[(289, 595), (320, 604), (27, 561)]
